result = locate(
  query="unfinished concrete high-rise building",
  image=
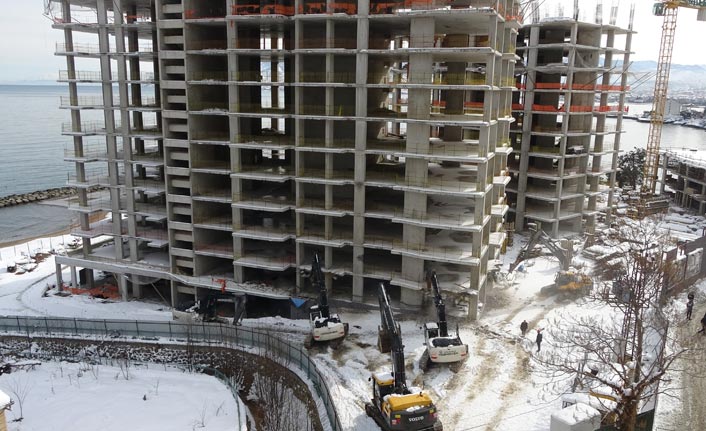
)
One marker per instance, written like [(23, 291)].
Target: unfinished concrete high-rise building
[(569, 121), (375, 133)]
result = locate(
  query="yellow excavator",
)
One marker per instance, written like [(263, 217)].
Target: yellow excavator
[(394, 407)]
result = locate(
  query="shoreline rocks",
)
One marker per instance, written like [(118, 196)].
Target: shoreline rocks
[(41, 195)]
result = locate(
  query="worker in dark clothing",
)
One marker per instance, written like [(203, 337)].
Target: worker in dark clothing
[(523, 327), (689, 306), (703, 324), (539, 339)]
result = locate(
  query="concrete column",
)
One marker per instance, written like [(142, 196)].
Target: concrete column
[(174, 292), (619, 120), (665, 166), (125, 122), (90, 279), (361, 130), (59, 276), (109, 119), (74, 277), (411, 298), (136, 287), (122, 286), (520, 207)]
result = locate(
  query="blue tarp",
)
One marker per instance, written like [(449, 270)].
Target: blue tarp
[(298, 302)]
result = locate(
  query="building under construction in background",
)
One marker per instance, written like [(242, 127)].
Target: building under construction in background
[(240, 137), (569, 113), (682, 176)]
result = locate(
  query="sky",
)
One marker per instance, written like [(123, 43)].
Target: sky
[(27, 41)]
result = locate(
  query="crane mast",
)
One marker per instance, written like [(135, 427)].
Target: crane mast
[(392, 331), (664, 63), (668, 10)]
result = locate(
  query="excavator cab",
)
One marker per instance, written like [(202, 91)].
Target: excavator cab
[(410, 411), (658, 9), (573, 282), (441, 346), (394, 406), (325, 326)]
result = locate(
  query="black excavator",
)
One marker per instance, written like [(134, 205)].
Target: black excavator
[(441, 348), (325, 326), (566, 280), (394, 407), (537, 236)]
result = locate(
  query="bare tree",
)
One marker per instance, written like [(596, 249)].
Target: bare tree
[(124, 364), (282, 409), (625, 349), (19, 389)]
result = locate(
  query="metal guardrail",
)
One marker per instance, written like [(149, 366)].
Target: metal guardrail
[(216, 334)]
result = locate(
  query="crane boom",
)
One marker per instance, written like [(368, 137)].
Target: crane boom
[(392, 331)]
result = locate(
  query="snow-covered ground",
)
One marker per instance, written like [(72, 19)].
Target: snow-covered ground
[(81, 397), (497, 388), (23, 295)]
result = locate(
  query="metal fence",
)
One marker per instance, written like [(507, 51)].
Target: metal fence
[(269, 344)]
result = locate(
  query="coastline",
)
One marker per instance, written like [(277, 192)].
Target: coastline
[(41, 195), (61, 232)]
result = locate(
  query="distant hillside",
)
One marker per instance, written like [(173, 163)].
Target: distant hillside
[(680, 76)]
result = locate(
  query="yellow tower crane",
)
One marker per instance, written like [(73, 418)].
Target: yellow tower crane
[(667, 9)]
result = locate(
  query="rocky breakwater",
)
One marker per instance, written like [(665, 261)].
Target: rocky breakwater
[(55, 193)]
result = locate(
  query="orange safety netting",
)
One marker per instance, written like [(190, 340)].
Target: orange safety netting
[(106, 291), (549, 86), (545, 108)]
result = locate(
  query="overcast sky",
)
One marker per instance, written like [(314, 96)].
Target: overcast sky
[(27, 41)]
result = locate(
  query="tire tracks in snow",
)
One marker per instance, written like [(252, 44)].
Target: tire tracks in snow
[(692, 409), (520, 373), (482, 375)]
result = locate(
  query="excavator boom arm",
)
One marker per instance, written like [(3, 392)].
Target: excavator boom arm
[(392, 330), (317, 280), (538, 235), (439, 303)]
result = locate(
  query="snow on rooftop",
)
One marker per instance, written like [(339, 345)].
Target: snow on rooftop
[(577, 414), (4, 400)]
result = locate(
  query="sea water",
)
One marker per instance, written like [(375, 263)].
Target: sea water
[(32, 151)]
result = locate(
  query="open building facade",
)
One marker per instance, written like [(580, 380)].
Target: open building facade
[(569, 114), (236, 138)]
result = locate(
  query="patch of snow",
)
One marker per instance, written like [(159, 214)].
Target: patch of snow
[(64, 396)]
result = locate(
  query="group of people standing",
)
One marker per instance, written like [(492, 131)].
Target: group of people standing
[(524, 326)]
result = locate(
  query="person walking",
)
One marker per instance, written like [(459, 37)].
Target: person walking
[(540, 336), (689, 306), (523, 327), (703, 324)]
